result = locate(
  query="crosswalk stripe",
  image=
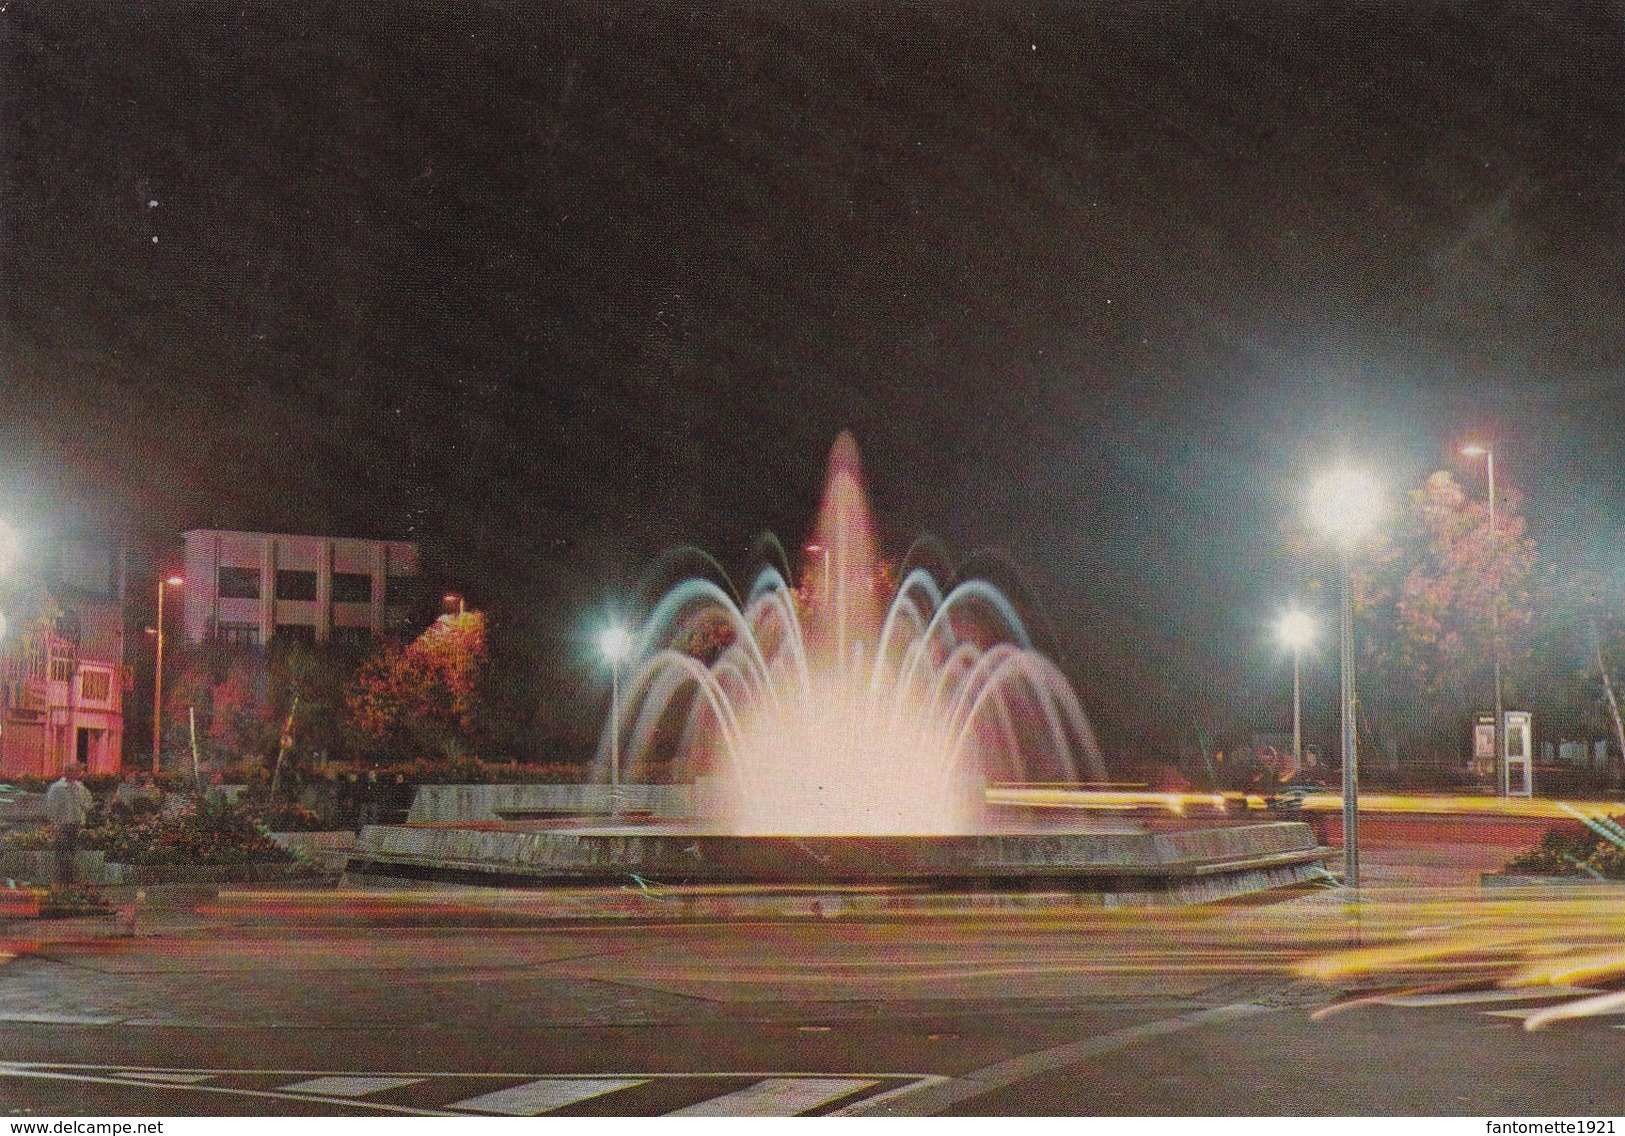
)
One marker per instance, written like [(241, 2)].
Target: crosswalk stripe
[(348, 1086), (777, 1096), (542, 1096)]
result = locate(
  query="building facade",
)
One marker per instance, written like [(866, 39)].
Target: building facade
[(63, 677), (245, 588)]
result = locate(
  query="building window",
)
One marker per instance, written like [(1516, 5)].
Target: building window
[(95, 685), (295, 585), (352, 587), (237, 634), (238, 583), (296, 632), (61, 668)]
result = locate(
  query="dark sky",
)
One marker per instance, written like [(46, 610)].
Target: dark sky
[(552, 287)]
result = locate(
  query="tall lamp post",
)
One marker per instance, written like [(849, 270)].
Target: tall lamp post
[(1296, 630), (158, 674), (615, 644), (1488, 454), (1345, 504)]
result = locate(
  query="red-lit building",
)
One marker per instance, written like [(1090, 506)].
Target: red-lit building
[(62, 674)]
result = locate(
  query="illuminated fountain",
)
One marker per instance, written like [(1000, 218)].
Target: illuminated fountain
[(835, 731), (847, 705)]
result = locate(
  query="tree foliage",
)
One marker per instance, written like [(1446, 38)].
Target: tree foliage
[(424, 699), (1427, 597)]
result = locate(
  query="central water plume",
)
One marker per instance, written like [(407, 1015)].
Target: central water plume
[(851, 703)]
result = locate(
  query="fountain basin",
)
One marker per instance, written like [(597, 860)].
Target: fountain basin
[(1183, 866)]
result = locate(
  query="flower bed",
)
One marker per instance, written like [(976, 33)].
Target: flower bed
[(206, 832), (1570, 848)]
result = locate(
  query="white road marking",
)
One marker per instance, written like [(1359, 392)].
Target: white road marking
[(779, 1096), (863, 1107), (1473, 997), (56, 1073), (776, 1094), (45, 1017), (165, 1076), (341, 1086), (538, 1097), (936, 1095)]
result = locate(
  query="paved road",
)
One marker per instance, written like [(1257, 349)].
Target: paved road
[(377, 1005)]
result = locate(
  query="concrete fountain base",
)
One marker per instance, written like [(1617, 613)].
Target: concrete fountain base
[(1193, 865)]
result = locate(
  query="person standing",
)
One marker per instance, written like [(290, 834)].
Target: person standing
[(67, 805)]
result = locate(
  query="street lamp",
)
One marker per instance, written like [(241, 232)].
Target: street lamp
[(455, 599), (1345, 504), (158, 673), (1474, 450), (1295, 631), (615, 644)]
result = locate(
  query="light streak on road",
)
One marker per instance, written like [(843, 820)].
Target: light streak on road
[(1528, 941), (1124, 800)]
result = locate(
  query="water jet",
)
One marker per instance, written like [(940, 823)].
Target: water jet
[(839, 727)]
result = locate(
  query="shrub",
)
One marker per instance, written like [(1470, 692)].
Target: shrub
[(206, 832), (284, 816), (1569, 848)]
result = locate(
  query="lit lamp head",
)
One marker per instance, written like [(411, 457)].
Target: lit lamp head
[(174, 581), (1345, 503), (1295, 630), (615, 643), (1474, 450)]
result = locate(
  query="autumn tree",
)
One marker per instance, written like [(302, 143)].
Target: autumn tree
[(424, 699), (1428, 595)]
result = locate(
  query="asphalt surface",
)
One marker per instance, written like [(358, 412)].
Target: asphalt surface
[(263, 1002)]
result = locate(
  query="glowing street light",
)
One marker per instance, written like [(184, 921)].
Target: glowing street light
[(455, 600), (1346, 503), (1295, 631), (1474, 450), (158, 673), (615, 643)]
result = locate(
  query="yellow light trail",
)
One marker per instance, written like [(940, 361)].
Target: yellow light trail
[(1126, 800)]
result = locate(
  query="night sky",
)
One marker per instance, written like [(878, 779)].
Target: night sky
[(552, 287)]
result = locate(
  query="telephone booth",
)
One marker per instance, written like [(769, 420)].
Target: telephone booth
[(1518, 756)]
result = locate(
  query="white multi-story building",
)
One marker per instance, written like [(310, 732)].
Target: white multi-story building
[(244, 588)]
